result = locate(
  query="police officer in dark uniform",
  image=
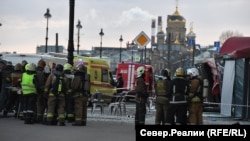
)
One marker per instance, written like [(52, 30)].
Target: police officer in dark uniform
[(178, 101)]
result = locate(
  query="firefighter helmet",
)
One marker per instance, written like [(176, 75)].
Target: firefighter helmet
[(31, 67), (80, 68), (59, 67), (193, 71), (18, 67), (179, 72), (24, 62), (140, 71), (165, 72), (67, 66)]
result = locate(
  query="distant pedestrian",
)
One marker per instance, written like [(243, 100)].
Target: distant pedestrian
[(178, 99), (119, 88)]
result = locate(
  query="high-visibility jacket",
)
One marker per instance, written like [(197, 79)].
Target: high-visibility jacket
[(28, 87)]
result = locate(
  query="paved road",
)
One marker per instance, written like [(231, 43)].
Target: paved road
[(12, 129), (100, 127)]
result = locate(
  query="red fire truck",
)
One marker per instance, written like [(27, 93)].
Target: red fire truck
[(128, 71)]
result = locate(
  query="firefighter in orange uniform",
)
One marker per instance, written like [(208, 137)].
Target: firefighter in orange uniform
[(55, 89), (196, 93), (80, 92)]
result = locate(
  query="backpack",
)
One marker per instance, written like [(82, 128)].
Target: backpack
[(161, 87), (57, 84)]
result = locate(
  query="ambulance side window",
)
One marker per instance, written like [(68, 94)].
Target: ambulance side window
[(105, 75)]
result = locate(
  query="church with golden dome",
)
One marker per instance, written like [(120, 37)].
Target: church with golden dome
[(171, 48)]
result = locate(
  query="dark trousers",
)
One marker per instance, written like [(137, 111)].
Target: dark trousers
[(70, 108), (140, 113), (41, 105), (177, 114), (29, 107), (12, 101)]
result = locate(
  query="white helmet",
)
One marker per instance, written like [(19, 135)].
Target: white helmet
[(193, 71), (31, 67), (140, 70)]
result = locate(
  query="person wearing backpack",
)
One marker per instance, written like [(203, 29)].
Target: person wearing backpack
[(55, 89), (80, 92), (161, 89), (67, 70)]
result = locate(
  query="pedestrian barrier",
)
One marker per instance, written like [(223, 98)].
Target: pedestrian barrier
[(98, 101), (118, 104)]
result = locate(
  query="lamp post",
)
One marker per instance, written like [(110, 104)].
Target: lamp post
[(71, 32), (121, 48), (132, 48), (47, 15), (78, 26), (101, 34)]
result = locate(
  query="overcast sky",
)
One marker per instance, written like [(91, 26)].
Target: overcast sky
[(24, 25)]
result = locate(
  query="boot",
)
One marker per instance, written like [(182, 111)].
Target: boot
[(48, 123), (5, 113), (39, 119), (76, 124), (62, 123), (54, 122), (84, 123), (70, 119), (28, 119)]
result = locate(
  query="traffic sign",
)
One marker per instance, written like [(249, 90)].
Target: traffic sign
[(142, 39)]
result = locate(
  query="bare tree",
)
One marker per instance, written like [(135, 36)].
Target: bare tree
[(227, 34)]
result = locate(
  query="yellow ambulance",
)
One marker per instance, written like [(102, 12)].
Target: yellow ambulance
[(101, 79)]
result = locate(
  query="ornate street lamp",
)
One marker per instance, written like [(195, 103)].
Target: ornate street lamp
[(78, 26), (101, 34), (47, 15), (121, 48)]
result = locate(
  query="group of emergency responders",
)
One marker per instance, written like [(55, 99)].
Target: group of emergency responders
[(50, 96), (179, 101)]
